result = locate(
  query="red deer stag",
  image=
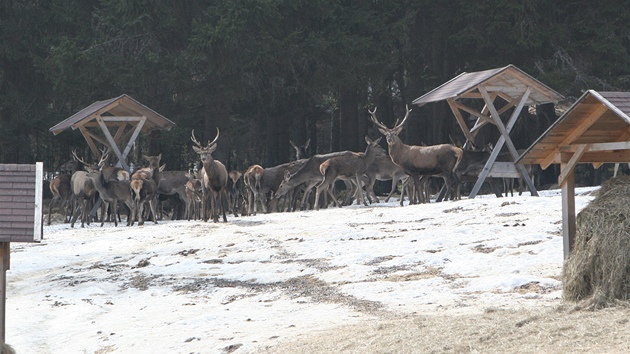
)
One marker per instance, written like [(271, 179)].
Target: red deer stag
[(351, 167), (214, 177), (421, 162), (83, 192)]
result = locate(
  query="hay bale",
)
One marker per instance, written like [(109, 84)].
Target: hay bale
[(598, 269)]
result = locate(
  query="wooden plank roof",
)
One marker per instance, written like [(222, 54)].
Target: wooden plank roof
[(509, 80), (598, 120), (123, 106)]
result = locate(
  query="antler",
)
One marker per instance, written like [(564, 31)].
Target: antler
[(76, 157), (373, 118), (210, 143), (404, 119), (194, 140), (104, 157)]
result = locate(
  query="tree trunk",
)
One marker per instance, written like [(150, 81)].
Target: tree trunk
[(348, 120)]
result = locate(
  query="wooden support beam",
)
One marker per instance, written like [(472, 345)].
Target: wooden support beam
[(569, 166), (503, 139), (89, 138), (568, 208), (583, 127), (554, 156), (620, 145), (133, 137), (112, 143), (460, 120), (5, 253)]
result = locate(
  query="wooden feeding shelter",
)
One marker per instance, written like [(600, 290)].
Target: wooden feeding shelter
[(114, 123), (502, 91), (595, 130)]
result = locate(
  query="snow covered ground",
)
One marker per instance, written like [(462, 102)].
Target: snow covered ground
[(195, 287)]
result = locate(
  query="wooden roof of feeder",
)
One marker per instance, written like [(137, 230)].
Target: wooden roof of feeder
[(596, 130), (516, 88), (114, 123)]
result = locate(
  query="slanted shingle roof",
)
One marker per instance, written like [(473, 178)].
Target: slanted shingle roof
[(596, 117), (122, 105), (509, 80)]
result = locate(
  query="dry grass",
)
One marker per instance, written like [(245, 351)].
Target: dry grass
[(598, 270), (552, 330)]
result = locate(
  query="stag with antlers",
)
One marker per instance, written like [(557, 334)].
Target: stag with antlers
[(421, 162), (214, 176)]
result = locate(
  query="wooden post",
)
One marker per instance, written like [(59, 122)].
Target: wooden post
[(5, 248), (568, 206)]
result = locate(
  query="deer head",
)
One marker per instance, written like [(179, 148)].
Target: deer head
[(205, 152), (390, 134)]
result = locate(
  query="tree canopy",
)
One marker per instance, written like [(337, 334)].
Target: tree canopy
[(269, 71)]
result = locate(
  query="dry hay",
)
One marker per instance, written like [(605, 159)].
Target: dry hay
[(597, 272)]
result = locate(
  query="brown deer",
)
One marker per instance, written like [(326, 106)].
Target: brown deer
[(144, 187), (383, 169), (112, 192), (307, 174), (233, 188), (421, 162), (172, 185), (351, 167), (214, 177), (194, 195), (61, 189), (251, 179), (301, 151), (83, 192)]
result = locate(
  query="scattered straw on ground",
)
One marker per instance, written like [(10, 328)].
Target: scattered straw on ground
[(554, 330)]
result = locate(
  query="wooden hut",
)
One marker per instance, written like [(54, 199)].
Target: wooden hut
[(511, 85), (595, 130), (114, 123)]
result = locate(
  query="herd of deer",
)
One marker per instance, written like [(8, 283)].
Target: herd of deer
[(212, 191)]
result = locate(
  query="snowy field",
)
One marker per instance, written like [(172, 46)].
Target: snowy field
[(246, 285)]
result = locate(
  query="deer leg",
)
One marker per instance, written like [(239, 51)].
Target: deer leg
[(104, 208), (307, 192), (369, 189), (141, 213), (318, 189), (52, 201), (214, 211), (232, 203), (224, 197), (331, 192), (360, 190), (393, 189)]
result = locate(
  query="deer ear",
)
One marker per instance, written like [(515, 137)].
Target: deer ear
[(307, 143), (378, 141), (287, 175), (197, 150), (367, 139), (383, 131)]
